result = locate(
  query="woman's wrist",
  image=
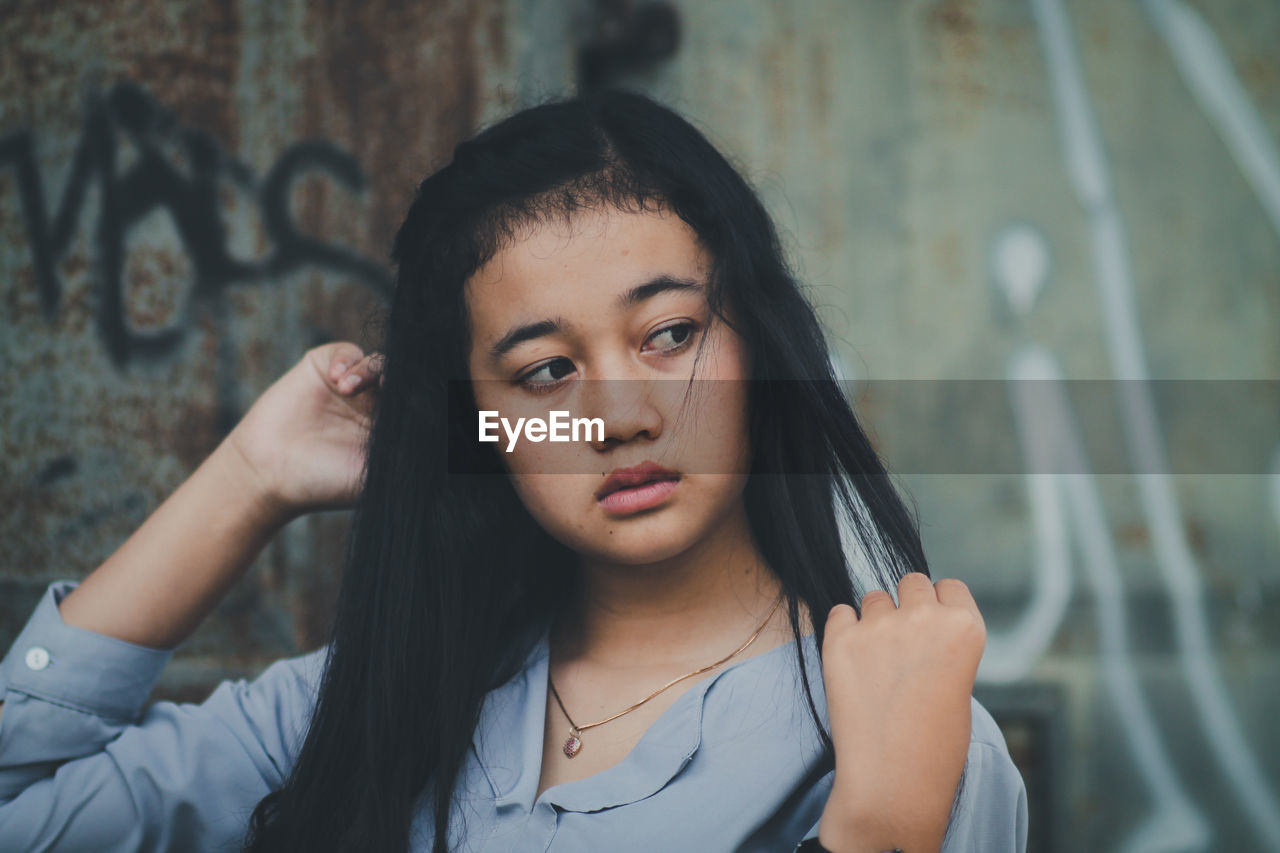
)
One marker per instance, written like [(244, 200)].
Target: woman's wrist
[(845, 828), (266, 506)]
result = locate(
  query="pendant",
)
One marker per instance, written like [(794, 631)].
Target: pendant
[(573, 745)]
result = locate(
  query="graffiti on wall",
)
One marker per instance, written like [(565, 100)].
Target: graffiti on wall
[(179, 171), (1064, 506)]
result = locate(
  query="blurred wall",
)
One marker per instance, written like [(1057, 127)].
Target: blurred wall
[(975, 190)]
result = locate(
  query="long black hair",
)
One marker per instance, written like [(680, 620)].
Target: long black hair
[(447, 577)]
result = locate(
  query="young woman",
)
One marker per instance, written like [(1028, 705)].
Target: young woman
[(646, 639)]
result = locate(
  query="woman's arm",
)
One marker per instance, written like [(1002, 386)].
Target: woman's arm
[(80, 771), (990, 814)]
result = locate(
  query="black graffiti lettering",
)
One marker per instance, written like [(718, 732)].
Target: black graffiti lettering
[(293, 248), (178, 170), (189, 196), (49, 240)]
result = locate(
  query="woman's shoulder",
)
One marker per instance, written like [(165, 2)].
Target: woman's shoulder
[(273, 710), (302, 671), (991, 812), (286, 690), (984, 730)]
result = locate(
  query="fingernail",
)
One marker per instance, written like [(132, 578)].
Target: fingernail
[(341, 367), (349, 382)]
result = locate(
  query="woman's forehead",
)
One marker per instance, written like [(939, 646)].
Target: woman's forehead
[(582, 264)]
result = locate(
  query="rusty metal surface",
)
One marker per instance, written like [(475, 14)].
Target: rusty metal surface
[(193, 194)]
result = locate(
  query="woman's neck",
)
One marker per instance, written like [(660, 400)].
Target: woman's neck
[(681, 612)]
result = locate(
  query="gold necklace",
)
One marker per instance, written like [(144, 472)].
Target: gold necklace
[(573, 745)]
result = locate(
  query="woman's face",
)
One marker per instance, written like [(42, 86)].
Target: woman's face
[(602, 318)]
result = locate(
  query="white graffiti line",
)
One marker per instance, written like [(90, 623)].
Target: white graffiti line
[(1038, 417), (1207, 70), (1087, 167), (1048, 438), (1051, 441), (1177, 824), (1019, 268)]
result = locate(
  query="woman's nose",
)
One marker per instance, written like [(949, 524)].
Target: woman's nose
[(627, 407)]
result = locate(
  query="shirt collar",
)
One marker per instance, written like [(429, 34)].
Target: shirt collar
[(508, 741)]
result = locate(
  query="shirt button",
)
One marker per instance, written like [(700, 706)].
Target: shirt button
[(37, 658)]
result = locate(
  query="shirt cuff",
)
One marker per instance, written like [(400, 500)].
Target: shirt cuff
[(77, 668)]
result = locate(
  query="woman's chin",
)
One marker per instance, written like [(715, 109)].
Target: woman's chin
[(637, 541)]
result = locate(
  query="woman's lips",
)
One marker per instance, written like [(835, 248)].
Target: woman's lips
[(637, 498), (637, 475)]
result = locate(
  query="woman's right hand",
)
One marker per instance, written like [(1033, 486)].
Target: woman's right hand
[(303, 439)]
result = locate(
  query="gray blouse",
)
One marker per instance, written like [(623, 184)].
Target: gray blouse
[(734, 764)]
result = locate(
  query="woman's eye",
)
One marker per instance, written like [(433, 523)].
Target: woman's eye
[(672, 337), (547, 374)]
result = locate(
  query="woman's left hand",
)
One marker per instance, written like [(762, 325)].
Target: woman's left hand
[(898, 683)]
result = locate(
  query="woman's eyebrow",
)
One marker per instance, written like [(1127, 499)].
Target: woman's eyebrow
[(525, 332)]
